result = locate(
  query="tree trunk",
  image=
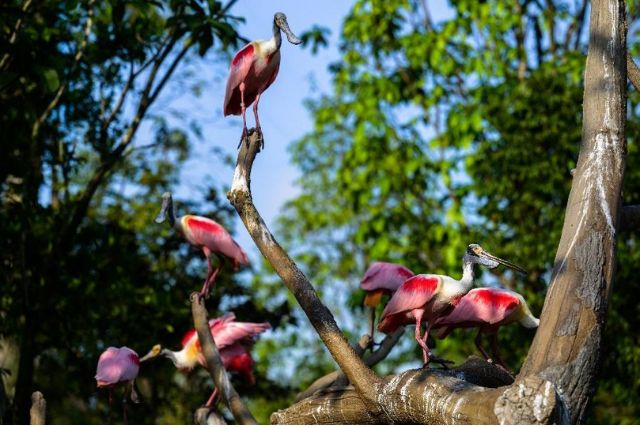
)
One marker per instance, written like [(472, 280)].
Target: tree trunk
[(567, 346)]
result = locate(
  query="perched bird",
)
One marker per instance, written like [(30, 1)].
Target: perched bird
[(252, 71), (381, 278), (118, 366), (428, 297), (229, 336), (206, 234), (487, 309)]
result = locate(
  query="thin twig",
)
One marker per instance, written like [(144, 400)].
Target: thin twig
[(14, 35), (76, 60), (214, 363), (361, 376)]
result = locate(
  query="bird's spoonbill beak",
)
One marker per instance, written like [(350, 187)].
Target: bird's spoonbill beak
[(281, 22), (492, 261), (153, 353)]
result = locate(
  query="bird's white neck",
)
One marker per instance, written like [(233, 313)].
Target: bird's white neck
[(277, 36), (181, 359), (467, 274)]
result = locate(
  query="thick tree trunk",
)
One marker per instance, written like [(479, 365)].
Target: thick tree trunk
[(566, 349)]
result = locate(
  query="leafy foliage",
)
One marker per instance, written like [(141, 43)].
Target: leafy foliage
[(84, 266)]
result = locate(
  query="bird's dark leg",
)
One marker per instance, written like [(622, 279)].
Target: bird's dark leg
[(243, 108), (421, 342), (255, 113), (110, 405), (478, 342), (124, 406), (372, 321), (212, 398), (432, 357), (211, 277), (496, 354)]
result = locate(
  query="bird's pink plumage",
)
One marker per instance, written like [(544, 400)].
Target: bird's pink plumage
[(236, 358), (385, 275), (201, 231), (482, 306), (253, 68), (226, 331), (117, 365)]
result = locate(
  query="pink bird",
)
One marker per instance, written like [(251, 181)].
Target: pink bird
[(428, 297), (252, 71), (206, 234), (229, 337), (382, 278), (487, 309), (118, 366)]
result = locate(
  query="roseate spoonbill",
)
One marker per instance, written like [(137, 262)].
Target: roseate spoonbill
[(206, 234), (430, 296), (229, 336), (487, 309), (118, 366), (381, 278), (252, 71)]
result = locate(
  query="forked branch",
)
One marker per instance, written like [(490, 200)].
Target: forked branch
[(214, 363), (363, 378)]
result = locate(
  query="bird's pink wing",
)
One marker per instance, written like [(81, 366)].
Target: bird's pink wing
[(385, 275), (206, 232), (234, 332), (414, 293), (481, 306), (116, 365), (238, 71), (236, 358)]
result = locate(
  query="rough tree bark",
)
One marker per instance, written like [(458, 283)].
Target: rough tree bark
[(566, 348), (557, 379)]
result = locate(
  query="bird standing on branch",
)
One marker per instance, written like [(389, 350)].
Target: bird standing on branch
[(252, 71), (118, 366), (381, 278), (487, 309), (429, 297), (229, 337), (206, 234)]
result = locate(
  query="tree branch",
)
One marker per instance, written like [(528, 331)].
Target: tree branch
[(76, 60), (111, 159), (214, 363), (38, 410), (337, 377), (633, 73), (14, 34), (363, 378), (567, 346), (429, 396)]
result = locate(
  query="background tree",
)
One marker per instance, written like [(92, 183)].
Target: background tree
[(441, 132), (83, 265)]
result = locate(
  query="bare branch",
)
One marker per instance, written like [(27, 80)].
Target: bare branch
[(633, 73), (338, 378), (363, 378), (14, 34), (120, 101), (63, 87), (38, 410), (214, 363), (430, 396)]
